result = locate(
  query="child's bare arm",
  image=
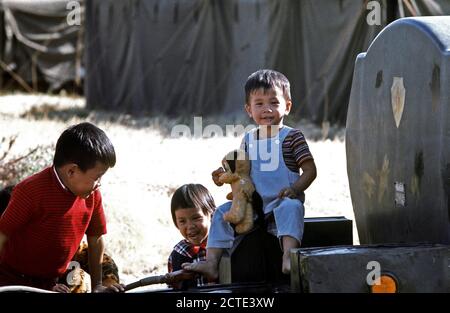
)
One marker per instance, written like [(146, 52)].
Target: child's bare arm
[(309, 174), (95, 255)]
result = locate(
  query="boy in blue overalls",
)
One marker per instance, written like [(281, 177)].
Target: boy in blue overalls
[(277, 153)]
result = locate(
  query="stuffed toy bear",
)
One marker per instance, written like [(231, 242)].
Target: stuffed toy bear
[(237, 173)]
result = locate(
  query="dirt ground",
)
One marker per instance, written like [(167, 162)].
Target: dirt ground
[(151, 165)]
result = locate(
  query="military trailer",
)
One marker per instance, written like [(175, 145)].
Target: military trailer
[(398, 165)]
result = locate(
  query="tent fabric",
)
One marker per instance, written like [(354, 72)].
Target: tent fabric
[(316, 49), (192, 57), (171, 57), (39, 39), (425, 8)]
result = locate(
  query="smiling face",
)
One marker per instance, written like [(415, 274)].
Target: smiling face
[(193, 224), (268, 107), (82, 184)]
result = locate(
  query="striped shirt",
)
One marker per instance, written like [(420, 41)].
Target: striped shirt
[(45, 224), (295, 150)]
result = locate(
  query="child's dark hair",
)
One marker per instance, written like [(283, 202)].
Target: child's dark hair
[(267, 79), (84, 144), (192, 196)]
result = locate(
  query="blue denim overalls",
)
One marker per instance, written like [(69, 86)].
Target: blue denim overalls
[(269, 174)]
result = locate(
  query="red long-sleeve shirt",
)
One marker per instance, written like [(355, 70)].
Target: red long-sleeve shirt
[(45, 224)]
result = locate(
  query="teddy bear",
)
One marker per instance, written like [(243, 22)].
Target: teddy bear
[(237, 173)]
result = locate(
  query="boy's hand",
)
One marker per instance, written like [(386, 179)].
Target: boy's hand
[(111, 288), (61, 288), (216, 174), (288, 192)]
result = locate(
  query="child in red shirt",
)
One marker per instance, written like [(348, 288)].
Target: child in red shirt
[(49, 213)]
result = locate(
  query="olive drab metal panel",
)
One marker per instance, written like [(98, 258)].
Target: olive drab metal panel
[(398, 134)]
